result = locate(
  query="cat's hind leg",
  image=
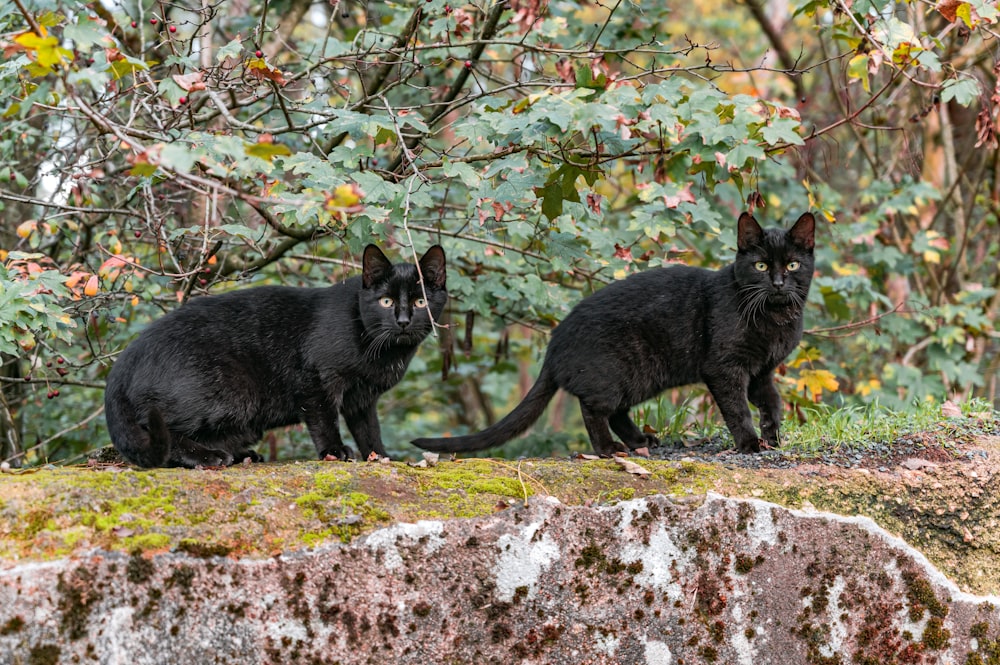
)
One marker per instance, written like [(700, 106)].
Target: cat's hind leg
[(600, 436), (189, 453), (629, 432)]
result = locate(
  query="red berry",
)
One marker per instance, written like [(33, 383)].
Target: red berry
[(50, 394), (182, 100), (138, 234), (259, 53), (13, 176), (135, 24), (55, 393), (152, 21), (60, 360), (447, 9), (172, 28), (48, 364), (468, 64)]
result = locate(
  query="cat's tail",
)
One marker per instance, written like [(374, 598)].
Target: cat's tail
[(514, 423), (147, 446)]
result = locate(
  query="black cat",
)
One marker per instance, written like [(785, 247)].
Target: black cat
[(671, 327), (200, 385)]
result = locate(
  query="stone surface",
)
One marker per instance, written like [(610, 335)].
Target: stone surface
[(652, 580)]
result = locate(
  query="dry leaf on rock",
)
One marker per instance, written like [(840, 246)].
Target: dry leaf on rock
[(632, 467)]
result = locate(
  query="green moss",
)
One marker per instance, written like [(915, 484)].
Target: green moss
[(147, 541), (13, 625), (44, 654), (203, 550), (936, 636)]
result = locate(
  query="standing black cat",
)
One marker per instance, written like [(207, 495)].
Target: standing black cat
[(201, 384), (671, 327)]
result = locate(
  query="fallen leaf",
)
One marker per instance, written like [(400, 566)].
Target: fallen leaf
[(951, 410), (916, 464), (632, 467), (641, 452)]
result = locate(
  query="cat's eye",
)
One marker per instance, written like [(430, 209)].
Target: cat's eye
[(420, 303), (793, 266), (760, 266), (385, 302)]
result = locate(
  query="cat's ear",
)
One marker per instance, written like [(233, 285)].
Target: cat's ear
[(374, 266), (803, 233), (748, 232), (432, 267)]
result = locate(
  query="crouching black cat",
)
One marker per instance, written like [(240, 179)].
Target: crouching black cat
[(202, 384), (671, 327)]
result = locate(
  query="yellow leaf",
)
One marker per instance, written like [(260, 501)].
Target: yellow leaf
[(92, 288), (865, 388), (267, 151), (815, 381), (344, 197), (845, 270), (44, 49), (932, 256), (25, 229)]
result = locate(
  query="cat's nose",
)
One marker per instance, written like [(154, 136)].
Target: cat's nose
[(403, 321)]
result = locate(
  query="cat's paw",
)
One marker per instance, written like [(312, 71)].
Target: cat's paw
[(341, 454), (750, 446), (243, 455), (612, 449), (647, 441), (204, 457)]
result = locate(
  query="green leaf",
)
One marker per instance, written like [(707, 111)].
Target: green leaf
[(177, 157), (267, 151), (782, 130), (963, 90), (85, 33), (857, 69), (233, 49), (468, 175), (552, 199)]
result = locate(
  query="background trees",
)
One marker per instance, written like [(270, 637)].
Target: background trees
[(153, 152)]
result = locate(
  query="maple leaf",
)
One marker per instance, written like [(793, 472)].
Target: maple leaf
[(463, 22), (190, 82), (683, 195), (43, 49), (949, 9), (815, 381), (259, 69)]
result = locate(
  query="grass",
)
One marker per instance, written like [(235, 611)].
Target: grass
[(828, 428)]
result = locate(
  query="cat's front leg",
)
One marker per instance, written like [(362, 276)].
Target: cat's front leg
[(324, 428), (764, 395), (731, 397), (364, 427)]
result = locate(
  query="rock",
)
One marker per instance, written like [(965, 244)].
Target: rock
[(647, 580)]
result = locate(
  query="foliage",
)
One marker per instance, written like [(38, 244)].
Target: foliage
[(151, 153)]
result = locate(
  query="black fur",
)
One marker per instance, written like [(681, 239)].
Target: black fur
[(202, 384), (671, 327)]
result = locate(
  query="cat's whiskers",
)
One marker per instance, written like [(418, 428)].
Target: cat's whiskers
[(751, 303)]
